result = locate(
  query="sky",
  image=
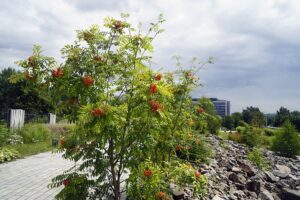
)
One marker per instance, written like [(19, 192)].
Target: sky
[(256, 44)]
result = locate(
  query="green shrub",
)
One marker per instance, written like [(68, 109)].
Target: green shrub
[(287, 141), (240, 129), (251, 136), (33, 133), (235, 136), (269, 132), (257, 158), (4, 133), (7, 154), (15, 138)]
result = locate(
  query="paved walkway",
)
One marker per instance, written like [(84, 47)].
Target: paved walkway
[(28, 178)]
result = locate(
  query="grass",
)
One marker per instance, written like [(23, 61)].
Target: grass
[(31, 149), (223, 135)]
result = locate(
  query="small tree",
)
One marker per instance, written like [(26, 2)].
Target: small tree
[(127, 115), (287, 141)]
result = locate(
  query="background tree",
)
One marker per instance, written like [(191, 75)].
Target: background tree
[(253, 116), (13, 96), (237, 119), (282, 115), (228, 122), (295, 119), (287, 141), (210, 118)]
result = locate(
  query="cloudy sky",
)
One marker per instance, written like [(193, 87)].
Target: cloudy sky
[(256, 43)]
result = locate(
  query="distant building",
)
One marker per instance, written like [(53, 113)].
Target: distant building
[(222, 106)]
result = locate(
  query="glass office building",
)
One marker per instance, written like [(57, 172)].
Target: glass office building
[(222, 106)]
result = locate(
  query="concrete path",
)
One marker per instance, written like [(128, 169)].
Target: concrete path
[(28, 178)]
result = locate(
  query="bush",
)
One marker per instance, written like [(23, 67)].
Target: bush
[(14, 138), (195, 150), (148, 181), (257, 157), (251, 136), (33, 133), (7, 154), (287, 141), (240, 128), (4, 133), (236, 136), (269, 132)]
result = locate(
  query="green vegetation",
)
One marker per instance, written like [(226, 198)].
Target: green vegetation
[(34, 133), (287, 141), (30, 140), (7, 154), (31, 149), (257, 158)]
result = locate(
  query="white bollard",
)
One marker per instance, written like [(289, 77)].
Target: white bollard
[(17, 118), (52, 118)]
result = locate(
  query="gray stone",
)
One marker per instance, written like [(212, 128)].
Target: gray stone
[(216, 197), (235, 169), (266, 195), (247, 168), (237, 178), (270, 177), (282, 171), (253, 186), (288, 194)]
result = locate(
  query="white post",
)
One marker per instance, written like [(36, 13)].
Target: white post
[(17, 118), (52, 118)]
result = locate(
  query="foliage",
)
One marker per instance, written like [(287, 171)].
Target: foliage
[(125, 113), (253, 116), (33, 133), (31, 149), (13, 96), (235, 136), (257, 157), (15, 138), (7, 154), (282, 116), (148, 180), (237, 119), (287, 141), (269, 132), (240, 129), (210, 121), (228, 122), (251, 136), (4, 133), (194, 149)]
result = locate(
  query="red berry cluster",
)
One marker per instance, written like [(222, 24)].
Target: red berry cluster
[(155, 106), (197, 174), (158, 77), (118, 25), (97, 112), (57, 73), (87, 80), (66, 182), (153, 88), (200, 110), (62, 142), (148, 173), (179, 147)]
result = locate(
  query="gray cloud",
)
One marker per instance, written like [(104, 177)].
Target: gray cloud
[(255, 43)]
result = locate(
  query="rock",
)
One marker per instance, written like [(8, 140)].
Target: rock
[(288, 194), (216, 197), (282, 171), (266, 195), (270, 177), (253, 186), (178, 194), (235, 169), (233, 177), (247, 168)]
